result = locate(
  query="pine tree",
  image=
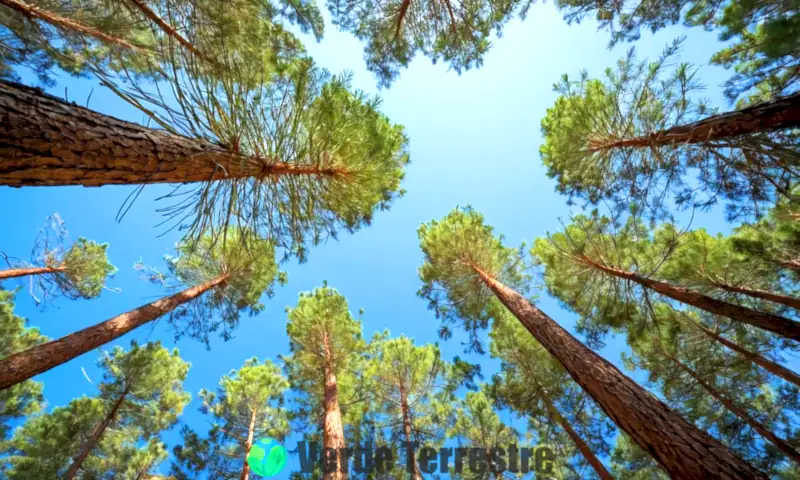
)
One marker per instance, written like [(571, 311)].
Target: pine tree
[(633, 136), (773, 240), (23, 399), (221, 279), (78, 270), (140, 396), (466, 267), (630, 462), (246, 407), (534, 385), (327, 354)]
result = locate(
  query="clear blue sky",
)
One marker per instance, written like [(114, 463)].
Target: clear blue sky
[(474, 139)]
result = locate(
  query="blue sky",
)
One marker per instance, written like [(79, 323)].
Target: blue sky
[(474, 139)]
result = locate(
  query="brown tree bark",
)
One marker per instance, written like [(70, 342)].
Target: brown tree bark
[(64, 23), (412, 456), (333, 430), (773, 323), (759, 360), (45, 141), (787, 300), (587, 452), (168, 29), (91, 442), (251, 428), (683, 450), (41, 358), (777, 114), (22, 272), (731, 407)]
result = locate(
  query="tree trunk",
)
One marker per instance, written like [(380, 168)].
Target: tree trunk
[(94, 438), (773, 323), (248, 444), (64, 23), (168, 29), (22, 272), (587, 452), (45, 141), (23, 365), (755, 424), (793, 302), (412, 456), (759, 360), (777, 114), (333, 430), (679, 447)]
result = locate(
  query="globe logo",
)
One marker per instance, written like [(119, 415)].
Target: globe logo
[(267, 457)]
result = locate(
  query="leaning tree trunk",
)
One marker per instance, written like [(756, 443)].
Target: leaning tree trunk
[(251, 428), (731, 407), (411, 454), (168, 29), (23, 365), (777, 114), (759, 360), (787, 300), (23, 272), (683, 450), (98, 431), (47, 141), (587, 452), (333, 430), (773, 323)]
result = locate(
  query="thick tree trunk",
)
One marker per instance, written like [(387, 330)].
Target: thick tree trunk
[(64, 23), (45, 141), (22, 272), (333, 430), (41, 358), (587, 452), (759, 360), (731, 407), (773, 323), (412, 456), (168, 29), (778, 114), (251, 428), (793, 302), (679, 447), (98, 431)]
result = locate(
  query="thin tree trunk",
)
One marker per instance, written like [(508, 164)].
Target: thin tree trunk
[(248, 444), (587, 452), (22, 272), (415, 474), (98, 431), (23, 365), (777, 114), (45, 141), (401, 16), (759, 360), (731, 407), (787, 300), (683, 450), (168, 29), (773, 323), (333, 430)]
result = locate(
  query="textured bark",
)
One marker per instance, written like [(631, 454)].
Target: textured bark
[(41, 358), (759, 360), (683, 450), (778, 114), (773, 323), (98, 431), (251, 428), (64, 23), (787, 300), (587, 452), (45, 141), (167, 28), (415, 474), (731, 407), (333, 430), (23, 272)]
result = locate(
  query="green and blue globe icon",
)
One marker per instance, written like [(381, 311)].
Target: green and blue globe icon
[(267, 457)]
